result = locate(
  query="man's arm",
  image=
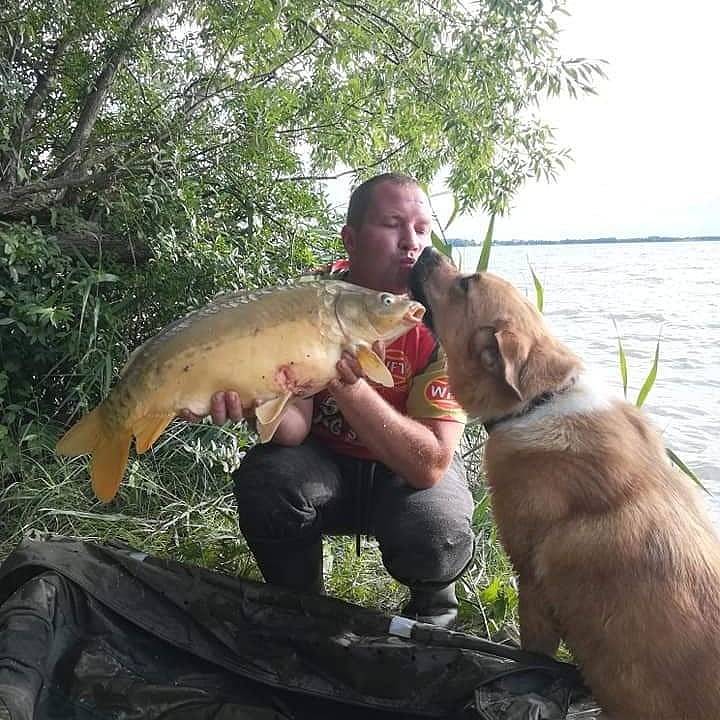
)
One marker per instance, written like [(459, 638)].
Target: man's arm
[(419, 451)]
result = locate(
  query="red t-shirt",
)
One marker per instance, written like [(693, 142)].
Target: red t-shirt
[(417, 364)]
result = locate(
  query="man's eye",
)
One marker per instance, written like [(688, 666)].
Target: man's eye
[(422, 230)]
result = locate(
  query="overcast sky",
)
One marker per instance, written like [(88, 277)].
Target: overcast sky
[(647, 149)]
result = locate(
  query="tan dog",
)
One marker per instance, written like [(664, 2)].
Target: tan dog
[(613, 553)]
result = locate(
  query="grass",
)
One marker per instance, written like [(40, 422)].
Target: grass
[(176, 502)]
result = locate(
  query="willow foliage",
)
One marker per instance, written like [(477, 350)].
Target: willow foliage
[(154, 153)]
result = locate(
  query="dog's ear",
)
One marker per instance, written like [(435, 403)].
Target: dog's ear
[(501, 353)]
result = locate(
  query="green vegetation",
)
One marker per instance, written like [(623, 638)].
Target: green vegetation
[(155, 153), (642, 396)]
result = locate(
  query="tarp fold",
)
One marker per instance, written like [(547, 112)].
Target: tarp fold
[(99, 631)]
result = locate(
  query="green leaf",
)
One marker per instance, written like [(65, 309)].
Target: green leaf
[(650, 379), (623, 361), (686, 469), (106, 277), (484, 260), (539, 293), (440, 245), (492, 591), (453, 214)]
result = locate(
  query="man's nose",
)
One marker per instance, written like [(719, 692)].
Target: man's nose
[(409, 239)]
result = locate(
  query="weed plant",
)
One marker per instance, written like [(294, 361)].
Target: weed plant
[(177, 502)]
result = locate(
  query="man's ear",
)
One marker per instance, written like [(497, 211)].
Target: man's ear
[(501, 354), (349, 238)]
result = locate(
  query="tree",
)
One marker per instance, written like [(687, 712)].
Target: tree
[(222, 99), (155, 152)]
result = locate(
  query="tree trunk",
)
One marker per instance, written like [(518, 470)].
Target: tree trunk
[(91, 242)]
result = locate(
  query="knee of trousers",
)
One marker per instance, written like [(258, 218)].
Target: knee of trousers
[(422, 555), (270, 501)]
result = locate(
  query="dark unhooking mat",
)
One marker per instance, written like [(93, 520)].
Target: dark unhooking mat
[(91, 632)]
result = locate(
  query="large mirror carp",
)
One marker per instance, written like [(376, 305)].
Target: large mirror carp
[(270, 346)]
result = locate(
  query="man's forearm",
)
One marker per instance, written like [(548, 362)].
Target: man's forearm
[(406, 446)]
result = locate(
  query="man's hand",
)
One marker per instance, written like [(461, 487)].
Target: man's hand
[(224, 406), (417, 450)]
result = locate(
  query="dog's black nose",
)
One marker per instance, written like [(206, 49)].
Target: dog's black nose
[(428, 257)]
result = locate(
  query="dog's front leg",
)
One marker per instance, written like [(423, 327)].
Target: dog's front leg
[(537, 628)]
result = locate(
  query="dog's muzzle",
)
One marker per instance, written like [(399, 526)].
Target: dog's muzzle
[(429, 259)]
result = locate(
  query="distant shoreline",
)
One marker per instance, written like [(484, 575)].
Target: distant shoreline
[(458, 242)]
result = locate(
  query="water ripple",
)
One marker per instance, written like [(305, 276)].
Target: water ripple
[(649, 289)]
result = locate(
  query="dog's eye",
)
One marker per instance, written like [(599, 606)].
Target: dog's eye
[(465, 283)]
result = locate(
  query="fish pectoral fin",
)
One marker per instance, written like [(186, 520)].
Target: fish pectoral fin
[(374, 367), (148, 429), (269, 415)]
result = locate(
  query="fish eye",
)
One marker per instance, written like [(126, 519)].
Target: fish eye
[(386, 299)]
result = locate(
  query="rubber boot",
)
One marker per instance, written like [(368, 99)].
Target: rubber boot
[(437, 606), (290, 565)]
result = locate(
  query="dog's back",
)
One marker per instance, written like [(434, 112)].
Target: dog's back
[(626, 559)]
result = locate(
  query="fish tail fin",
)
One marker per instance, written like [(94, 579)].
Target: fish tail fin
[(109, 460), (82, 437), (109, 451)]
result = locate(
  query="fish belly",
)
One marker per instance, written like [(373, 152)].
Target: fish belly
[(261, 366)]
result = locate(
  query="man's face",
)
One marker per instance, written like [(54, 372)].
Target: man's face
[(395, 231)]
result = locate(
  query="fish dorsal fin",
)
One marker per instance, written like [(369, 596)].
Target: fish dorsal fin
[(148, 429), (374, 367), (269, 415)]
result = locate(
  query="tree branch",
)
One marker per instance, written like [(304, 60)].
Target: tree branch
[(317, 33), (10, 158), (94, 101), (22, 200), (91, 242), (381, 20), (381, 161)]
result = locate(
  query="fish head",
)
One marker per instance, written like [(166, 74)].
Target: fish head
[(373, 315)]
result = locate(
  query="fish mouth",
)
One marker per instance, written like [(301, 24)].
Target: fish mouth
[(415, 314)]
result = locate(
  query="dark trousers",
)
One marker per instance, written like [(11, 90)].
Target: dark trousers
[(288, 497)]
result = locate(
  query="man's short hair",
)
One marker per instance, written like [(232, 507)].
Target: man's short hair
[(362, 196)]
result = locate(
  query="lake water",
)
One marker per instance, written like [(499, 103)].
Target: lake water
[(650, 289)]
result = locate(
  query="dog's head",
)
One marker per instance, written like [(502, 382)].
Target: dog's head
[(500, 353)]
